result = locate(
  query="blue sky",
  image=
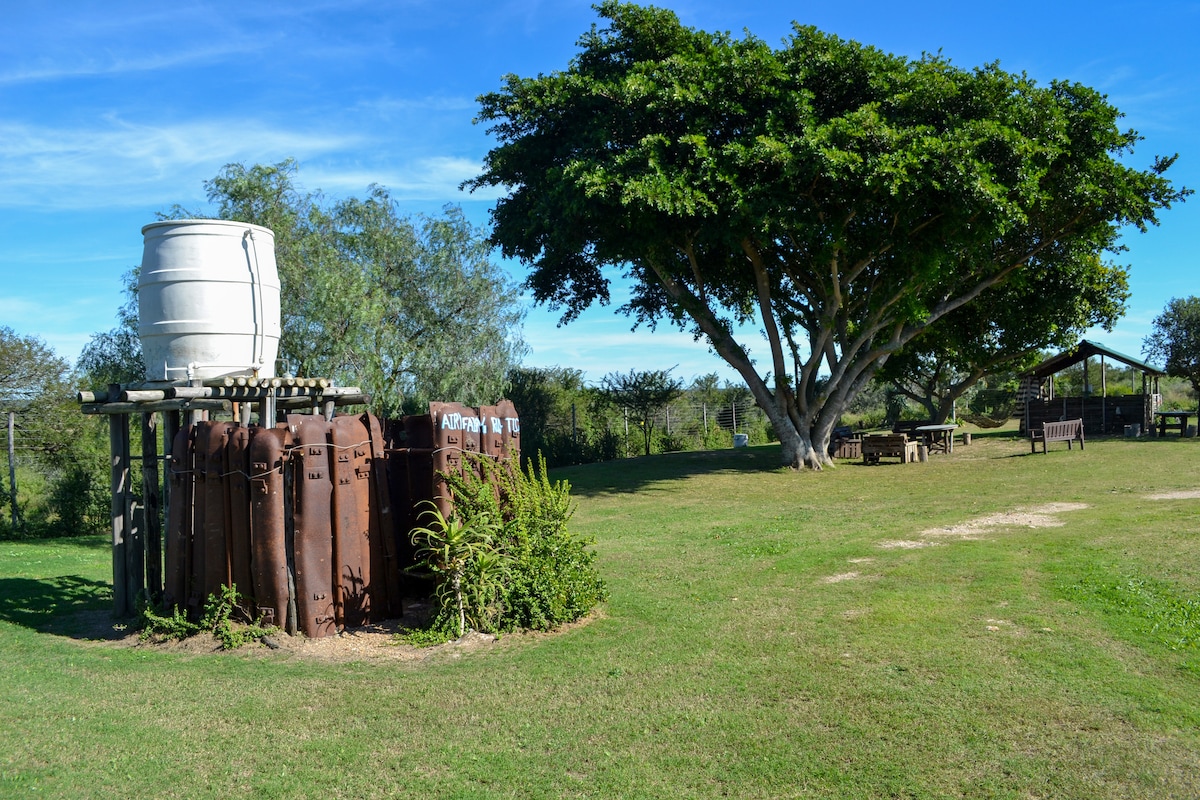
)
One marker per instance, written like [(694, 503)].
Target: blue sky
[(110, 112)]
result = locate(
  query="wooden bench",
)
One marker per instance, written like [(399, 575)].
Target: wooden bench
[(1068, 431), (891, 445)]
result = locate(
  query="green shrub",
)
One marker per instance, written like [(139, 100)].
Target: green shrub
[(218, 618), (539, 575)]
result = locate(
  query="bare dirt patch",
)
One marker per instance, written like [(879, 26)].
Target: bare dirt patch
[(905, 544), (376, 642), (1044, 516), (1187, 494)]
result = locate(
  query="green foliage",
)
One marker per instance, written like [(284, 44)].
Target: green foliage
[(840, 199), (61, 455), (174, 625), (440, 631), (539, 575), (219, 618), (1176, 340), (1004, 331), (566, 422), (643, 393), (115, 356), (29, 371), (462, 554), (562, 418)]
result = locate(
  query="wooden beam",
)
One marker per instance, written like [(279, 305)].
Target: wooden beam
[(164, 405)]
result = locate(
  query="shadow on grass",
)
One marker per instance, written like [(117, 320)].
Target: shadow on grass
[(631, 474), (67, 605)]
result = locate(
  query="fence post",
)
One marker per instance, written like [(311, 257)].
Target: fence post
[(12, 470), (626, 444)]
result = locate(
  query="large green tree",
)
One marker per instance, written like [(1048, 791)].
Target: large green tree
[(411, 309), (1175, 338), (839, 198)]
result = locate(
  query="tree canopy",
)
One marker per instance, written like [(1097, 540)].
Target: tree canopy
[(1006, 330), (29, 370), (1175, 339), (840, 198)]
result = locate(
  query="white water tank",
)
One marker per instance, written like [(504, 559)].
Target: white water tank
[(208, 300)]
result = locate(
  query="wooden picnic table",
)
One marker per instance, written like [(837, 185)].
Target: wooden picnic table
[(1179, 418), (938, 438)]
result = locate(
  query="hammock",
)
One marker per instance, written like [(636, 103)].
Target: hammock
[(982, 421)]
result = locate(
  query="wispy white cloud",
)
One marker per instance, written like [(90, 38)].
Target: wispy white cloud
[(121, 163), (432, 178), (437, 103), (111, 64), (603, 342)]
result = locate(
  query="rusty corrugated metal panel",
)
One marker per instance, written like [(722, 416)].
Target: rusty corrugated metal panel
[(491, 432), (313, 546), (237, 483), (268, 526), (403, 502), (351, 465), (385, 543), (455, 431), (511, 423), (421, 483), (241, 503), (216, 525), (418, 430), (179, 524), (196, 573)]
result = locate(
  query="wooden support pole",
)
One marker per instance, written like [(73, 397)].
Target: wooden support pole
[(118, 445), (152, 502)]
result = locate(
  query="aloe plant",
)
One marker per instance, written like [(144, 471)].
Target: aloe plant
[(447, 546)]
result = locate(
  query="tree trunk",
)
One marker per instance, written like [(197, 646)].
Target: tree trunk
[(796, 448)]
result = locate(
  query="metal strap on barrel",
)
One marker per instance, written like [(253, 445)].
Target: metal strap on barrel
[(257, 299)]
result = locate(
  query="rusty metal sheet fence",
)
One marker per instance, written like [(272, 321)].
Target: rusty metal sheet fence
[(310, 519)]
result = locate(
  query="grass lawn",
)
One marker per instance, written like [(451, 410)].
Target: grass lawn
[(988, 624)]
